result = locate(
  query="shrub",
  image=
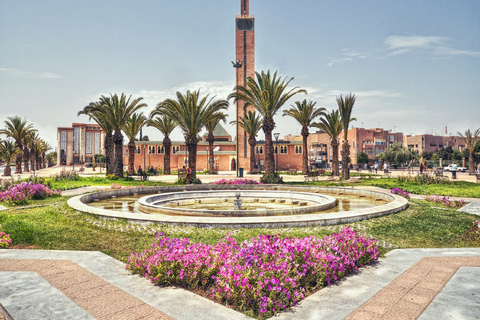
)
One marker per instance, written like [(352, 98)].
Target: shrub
[(473, 234), (5, 239), (65, 175), (400, 192), (183, 180), (445, 201), (260, 277), (273, 178), (424, 178), (21, 193), (236, 181), (111, 177)]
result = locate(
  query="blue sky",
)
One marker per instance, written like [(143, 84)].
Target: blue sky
[(413, 65)]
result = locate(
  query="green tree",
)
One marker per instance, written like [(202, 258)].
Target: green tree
[(331, 124), (131, 128), (304, 112), (19, 131), (345, 107), (363, 158), (210, 126), (8, 152), (97, 112), (191, 114), (267, 94), (165, 125), (471, 140), (457, 155), (51, 158), (32, 144), (251, 122)]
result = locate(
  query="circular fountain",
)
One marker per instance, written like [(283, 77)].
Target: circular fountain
[(241, 206)]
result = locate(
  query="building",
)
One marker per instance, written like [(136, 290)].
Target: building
[(244, 68), (79, 143), (432, 143)]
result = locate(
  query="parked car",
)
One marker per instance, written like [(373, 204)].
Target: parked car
[(459, 169), (88, 165)]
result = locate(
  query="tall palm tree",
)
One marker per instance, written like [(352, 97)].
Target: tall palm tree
[(18, 130), (210, 126), (267, 94), (8, 151), (191, 114), (251, 123), (345, 106), (304, 112), (42, 148), (118, 111), (471, 140), (96, 111), (133, 126), (331, 124), (165, 125), (32, 143)]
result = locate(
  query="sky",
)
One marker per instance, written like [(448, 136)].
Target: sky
[(414, 66)]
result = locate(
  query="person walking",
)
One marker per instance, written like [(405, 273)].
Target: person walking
[(376, 167), (454, 170)]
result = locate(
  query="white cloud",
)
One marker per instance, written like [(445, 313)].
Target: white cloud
[(348, 55), (398, 45), (29, 74)]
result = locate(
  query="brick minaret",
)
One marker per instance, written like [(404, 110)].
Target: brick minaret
[(245, 54)]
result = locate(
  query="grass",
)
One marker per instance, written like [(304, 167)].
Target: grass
[(96, 181)]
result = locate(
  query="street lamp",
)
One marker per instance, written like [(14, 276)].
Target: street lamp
[(276, 135), (237, 65)]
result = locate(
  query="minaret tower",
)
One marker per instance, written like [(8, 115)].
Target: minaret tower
[(245, 67)]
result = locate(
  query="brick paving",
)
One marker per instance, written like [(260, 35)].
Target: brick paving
[(95, 295), (408, 295)]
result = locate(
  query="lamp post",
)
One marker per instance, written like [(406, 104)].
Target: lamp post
[(34, 157), (144, 156), (276, 135), (237, 65)]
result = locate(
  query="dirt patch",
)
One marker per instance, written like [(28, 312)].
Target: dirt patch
[(19, 246)]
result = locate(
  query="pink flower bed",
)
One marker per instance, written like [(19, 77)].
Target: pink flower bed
[(236, 181), (444, 200), (260, 277), (22, 192), (4, 239)]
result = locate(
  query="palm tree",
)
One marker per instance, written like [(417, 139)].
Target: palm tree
[(95, 110), (471, 140), (32, 143), (8, 151), (165, 125), (191, 114), (331, 124), (267, 94), (345, 106), (133, 126), (210, 126), (18, 130), (304, 112), (251, 123), (43, 147)]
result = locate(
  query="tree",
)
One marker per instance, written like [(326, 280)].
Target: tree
[(191, 114), (131, 128), (331, 124), (210, 126), (363, 158), (43, 148), (32, 144), (345, 107), (457, 155), (18, 130), (471, 139), (267, 94), (165, 125), (251, 122), (96, 111), (8, 151), (397, 153), (51, 158), (304, 113)]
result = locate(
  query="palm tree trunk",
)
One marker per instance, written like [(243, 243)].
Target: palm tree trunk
[(167, 144), (345, 155), (191, 143), (118, 159), (471, 163), (305, 150), (252, 142), (268, 126), (7, 172), (26, 159), (109, 153), (131, 158), (18, 160), (334, 144), (33, 159)]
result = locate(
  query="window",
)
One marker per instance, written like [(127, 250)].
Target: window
[(139, 150), (175, 149), (283, 149), (298, 150), (97, 142), (160, 149), (151, 150), (259, 150), (76, 142), (63, 140), (88, 148)]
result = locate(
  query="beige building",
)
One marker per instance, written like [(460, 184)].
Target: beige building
[(79, 143), (431, 143)]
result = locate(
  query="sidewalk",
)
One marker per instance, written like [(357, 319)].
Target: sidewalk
[(427, 284)]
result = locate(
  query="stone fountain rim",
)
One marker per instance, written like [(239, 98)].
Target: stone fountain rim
[(397, 204)]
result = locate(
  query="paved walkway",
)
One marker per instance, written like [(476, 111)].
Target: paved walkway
[(406, 284)]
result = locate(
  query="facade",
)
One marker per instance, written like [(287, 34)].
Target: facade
[(244, 68), (79, 143), (431, 143)]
